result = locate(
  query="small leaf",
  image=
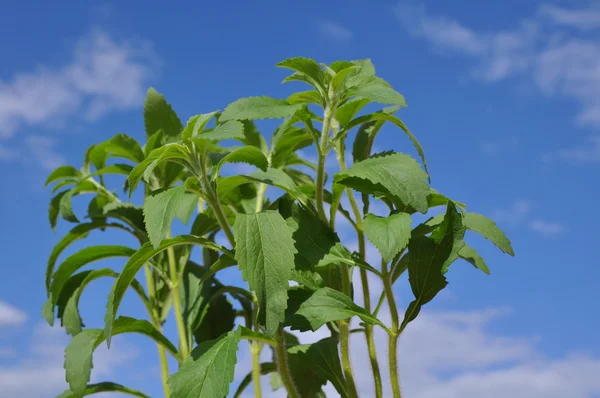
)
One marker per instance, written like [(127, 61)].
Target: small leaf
[(225, 131), (305, 97), (159, 115), (275, 177), (196, 124), (395, 174), (389, 234), (160, 210), (308, 67), (105, 386), (209, 370), (255, 108), (63, 172), (469, 254), (346, 112), (145, 168), (246, 154), (133, 265), (79, 352), (187, 208), (327, 305), (489, 230), (380, 94), (265, 254)]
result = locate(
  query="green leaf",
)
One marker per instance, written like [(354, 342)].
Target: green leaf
[(160, 210), (426, 262), (489, 230), (65, 207), (305, 97), (135, 263), (287, 143), (275, 177), (308, 67), (105, 386), (54, 210), (396, 174), (187, 208), (469, 254), (265, 369), (346, 112), (79, 352), (246, 154), (386, 116), (204, 224), (196, 124), (389, 234), (145, 168), (327, 305), (229, 130), (83, 257), (209, 370), (265, 253), (61, 173), (255, 108), (159, 115), (380, 94)]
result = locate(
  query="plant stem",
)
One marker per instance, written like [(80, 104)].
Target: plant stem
[(282, 365), (393, 333), (345, 339), (181, 329), (162, 354), (321, 164), (255, 351), (364, 281)]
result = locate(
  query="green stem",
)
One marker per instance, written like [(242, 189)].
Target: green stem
[(255, 351), (345, 339), (162, 354), (393, 333), (283, 367), (181, 329), (321, 164)]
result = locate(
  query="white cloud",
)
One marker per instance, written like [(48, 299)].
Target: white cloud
[(37, 151), (103, 75), (515, 214), (493, 148), (335, 31), (11, 316), (583, 154), (558, 62), (585, 19), (39, 372), (546, 228)]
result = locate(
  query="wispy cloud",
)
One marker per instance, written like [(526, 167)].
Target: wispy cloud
[(493, 148), (582, 154), (540, 49), (103, 75), (335, 31), (519, 214), (36, 151), (547, 228), (11, 316)]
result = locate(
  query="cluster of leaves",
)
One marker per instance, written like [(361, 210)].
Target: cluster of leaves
[(276, 228)]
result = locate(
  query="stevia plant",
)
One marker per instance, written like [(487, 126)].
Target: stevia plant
[(277, 225)]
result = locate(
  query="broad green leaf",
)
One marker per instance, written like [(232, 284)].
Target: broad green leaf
[(135, 263), (287, 143), (305, 97), (160, 210), (159, 115), (105, 386), (469, 254), (489, 230), (337, 66), (255, 108), (209, 370), (65, 207), (196, 124), (246, 154), (78, 232), (187, 208), (172, 151), (327, 305), (118, 168), (346, 112), (79, 352), (265, 254), (389, 234), (83, 257), (452, 220), (154, 141), (54, 209), (257, 336), (175, 153), (275, 177), (229, 130), (63, 172), (395, 174), (380, 94), (307, 67), (386, 116), (123, 146), (128, 213), (204, 224), (426, 263)]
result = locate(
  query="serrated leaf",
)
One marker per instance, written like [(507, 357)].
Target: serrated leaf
[(160, 210), (145, 168), (275, 177), (65, 207), (81, 258), (346, 112), (396, 174), (310, 68), (327, 305), (389, 234), (246, 154), (196, 124), (187, 208), (256, 108), (204, 224), (265, 254), (489, 230), (225, 131), (105, 386), (386, 116), (469, 254), (159, 115), (136, 262), (425, 265), (305, 97), (61, 173), (79, 352), (209, 370), (380, 94)]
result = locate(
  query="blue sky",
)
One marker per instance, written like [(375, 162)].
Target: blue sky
[(504, 96)]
